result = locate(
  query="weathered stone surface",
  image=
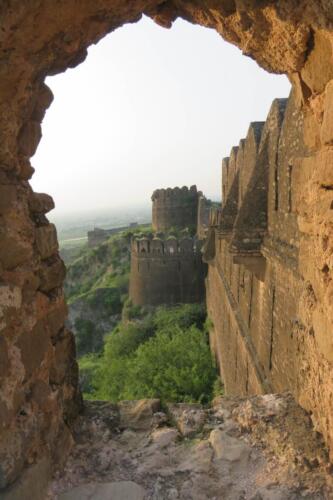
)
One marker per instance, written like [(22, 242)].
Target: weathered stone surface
[(122, 490), (46, 240), (32, 484), (33, 346), (138, 415), (269, 284), (52, 274), (189, 418), (228, 448), (318, 69), (29, 137), (163, 437), (40, 203), (225, 461), (327, 125), (8, 194), (26, 170), (43, 101), (13, 250), (4, 359)]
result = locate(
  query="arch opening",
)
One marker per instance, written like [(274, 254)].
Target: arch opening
[(282, 37)]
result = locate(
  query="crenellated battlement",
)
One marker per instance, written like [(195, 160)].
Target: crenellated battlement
[(175, 193), (171, 246), (175, 207)]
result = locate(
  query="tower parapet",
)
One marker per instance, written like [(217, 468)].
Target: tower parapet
[(175, 208), (166, 270)]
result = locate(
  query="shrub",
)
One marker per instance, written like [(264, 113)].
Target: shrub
[(183, 315), (163, 355), (88, 338), (173, 366), (89, 366)]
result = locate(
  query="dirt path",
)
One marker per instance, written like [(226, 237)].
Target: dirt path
[(262, 448)]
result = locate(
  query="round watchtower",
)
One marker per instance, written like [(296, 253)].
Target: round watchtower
[(166, 271), (175, 208)]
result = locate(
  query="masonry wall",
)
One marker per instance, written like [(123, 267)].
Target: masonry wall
[(262, 309), (166, 272), (175, 208)]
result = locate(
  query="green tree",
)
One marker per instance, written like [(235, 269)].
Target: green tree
[(173, 366)]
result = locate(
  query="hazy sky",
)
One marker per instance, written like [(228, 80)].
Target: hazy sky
[(148, 108)]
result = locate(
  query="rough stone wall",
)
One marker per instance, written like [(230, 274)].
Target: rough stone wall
[(46, 37), (267, 335), (166, 271), (175, 208)]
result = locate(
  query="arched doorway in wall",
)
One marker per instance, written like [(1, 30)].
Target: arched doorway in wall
[(50, 51)]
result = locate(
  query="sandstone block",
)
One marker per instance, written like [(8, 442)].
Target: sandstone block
[(29, 137), (32, 484), (6, 415), (323, 334), (165, 436), (46, 240), (138, 415), (26, 170), (227, 447), (44, 100), (326, 134), (189, 418), (40, 394), (318, 69), (56, 318), (33, 346), (40, 203), (52, 275), (122, 490), (63, 352), (4, 359), (13, 249), (7, 197)]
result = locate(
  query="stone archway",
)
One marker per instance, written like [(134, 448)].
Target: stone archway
[(39, 395)]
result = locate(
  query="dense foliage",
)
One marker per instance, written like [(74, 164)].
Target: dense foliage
[(163, 354)]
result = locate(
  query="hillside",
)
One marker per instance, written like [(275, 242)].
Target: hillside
[(96, 288)]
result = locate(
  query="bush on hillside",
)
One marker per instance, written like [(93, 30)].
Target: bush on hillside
[(89, 339), (173, 366), (165, 355)]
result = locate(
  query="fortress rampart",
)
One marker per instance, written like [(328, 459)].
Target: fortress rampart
[(166, 271), (269, 331), (175, 208), (97, 235)]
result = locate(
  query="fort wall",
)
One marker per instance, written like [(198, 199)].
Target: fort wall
[(97, 235), (166, 271), (265, 335)]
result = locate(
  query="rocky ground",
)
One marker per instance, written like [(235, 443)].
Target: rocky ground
[(261, 448)]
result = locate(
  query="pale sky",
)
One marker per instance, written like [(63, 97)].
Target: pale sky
[(148, 108)]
